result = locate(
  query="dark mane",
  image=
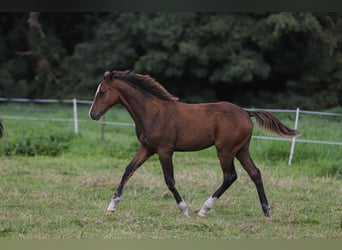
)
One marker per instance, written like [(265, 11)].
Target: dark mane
[(146, 83)]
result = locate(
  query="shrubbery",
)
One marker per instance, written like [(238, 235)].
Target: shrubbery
[(280, 60), (37, 144)]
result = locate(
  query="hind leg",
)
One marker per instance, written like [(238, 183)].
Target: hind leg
[(254, 173), (229, 176)]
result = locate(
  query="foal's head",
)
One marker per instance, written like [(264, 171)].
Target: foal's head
[(108, 93), (106, 96)]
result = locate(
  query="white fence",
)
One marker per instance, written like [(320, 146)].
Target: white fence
[(75, 102)]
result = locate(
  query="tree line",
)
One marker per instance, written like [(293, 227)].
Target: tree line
[(282, 59)]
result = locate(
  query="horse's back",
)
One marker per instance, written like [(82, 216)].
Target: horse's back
[(212, 112), (203, 125)]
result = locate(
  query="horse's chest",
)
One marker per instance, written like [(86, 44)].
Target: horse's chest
[(144, 140), (148, 141), (153, 140)]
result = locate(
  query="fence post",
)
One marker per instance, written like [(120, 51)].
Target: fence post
[(74, 101), (294, 138)]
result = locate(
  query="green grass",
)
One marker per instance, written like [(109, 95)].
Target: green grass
[(65, 196)]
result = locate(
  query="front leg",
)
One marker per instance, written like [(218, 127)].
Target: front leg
[(140, 157), (167, 166)]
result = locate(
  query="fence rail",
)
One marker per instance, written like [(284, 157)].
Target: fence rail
[(76, 121)]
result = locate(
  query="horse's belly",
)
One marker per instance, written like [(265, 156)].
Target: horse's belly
[(187, 148), (192, 141)]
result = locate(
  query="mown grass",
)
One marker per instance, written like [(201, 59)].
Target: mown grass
[(65, 196)]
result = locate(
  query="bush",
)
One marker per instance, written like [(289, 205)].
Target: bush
[(33, 145)]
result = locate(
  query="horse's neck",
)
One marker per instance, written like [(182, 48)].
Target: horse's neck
[(137, 104)]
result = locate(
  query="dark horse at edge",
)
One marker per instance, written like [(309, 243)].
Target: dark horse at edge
[(165, 125)]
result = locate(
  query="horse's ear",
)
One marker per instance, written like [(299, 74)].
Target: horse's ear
[(108, 75)]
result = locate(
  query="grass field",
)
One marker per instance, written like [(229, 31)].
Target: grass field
[(65, 195)]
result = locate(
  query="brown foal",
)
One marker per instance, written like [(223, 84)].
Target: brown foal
[(165, 125)]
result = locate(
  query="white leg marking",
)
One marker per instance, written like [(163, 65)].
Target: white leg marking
[(207, 206), (184, 208), (112, 204)]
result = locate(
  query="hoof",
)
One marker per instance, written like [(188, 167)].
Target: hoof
[(201, 216), (267, 210), (109, 212)]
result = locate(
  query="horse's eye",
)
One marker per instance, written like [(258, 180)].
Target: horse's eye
[(101, 93)]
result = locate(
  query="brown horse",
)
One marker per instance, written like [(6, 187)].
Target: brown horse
[(164, 125)]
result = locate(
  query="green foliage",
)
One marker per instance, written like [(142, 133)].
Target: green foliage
[(243, 67), (37, 144), (227, 51), (269, 59)]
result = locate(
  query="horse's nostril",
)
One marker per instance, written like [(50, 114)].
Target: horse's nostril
[(92, 116)]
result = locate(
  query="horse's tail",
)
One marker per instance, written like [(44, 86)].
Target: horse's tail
[(1, 129), (269, 122)]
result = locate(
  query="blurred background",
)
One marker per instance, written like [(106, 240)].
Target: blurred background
[(269, 60)]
